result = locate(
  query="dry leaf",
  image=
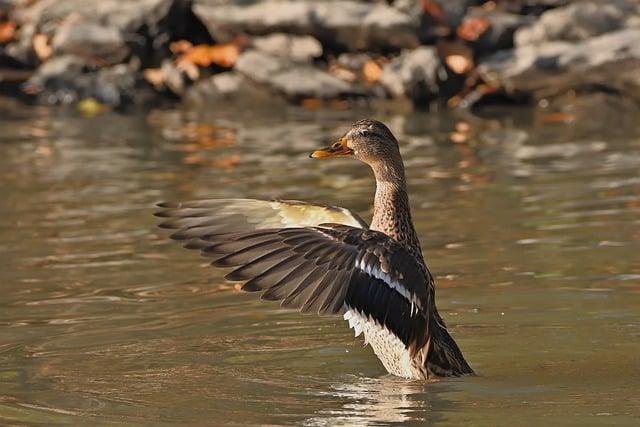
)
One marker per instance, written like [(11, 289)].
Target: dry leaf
[(228, 162), (224, 55), (433, 9), (339, 104), (341, 72), (458, 137), (371, 71), (471, 29), (155, 76), (7, 31), (311, 103), (41, 47), (459, 64), (180, 46), (463, 126), (558, 117), (91, 107)]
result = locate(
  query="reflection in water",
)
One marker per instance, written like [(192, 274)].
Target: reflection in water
[(384, 400), (530, 228)]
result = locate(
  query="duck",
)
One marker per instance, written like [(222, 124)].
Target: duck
[(328, 260)]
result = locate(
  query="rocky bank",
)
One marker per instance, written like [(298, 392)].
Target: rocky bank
[(336, 53)]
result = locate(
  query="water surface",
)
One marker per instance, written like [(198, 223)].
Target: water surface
[(532, 229)]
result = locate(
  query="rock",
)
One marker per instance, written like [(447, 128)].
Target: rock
[(66, 79), (91, 41), (344, 24), (353, 61), (607, 61), (6, 6), (295, 48), (413, 75), (110, 85), (500, 33), (58, 75), (137, 21), (581, 20), (230, 87), (173, 79), (293, 80), (127, 16)]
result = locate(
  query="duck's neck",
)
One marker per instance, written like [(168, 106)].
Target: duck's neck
[(391, 211)]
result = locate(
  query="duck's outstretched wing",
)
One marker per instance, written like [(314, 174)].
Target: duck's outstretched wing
[(327, 269), (199, 218)]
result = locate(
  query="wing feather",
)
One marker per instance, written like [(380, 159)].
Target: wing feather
[(323, 268)]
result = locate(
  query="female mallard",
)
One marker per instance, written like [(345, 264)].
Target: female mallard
[(325, 259)]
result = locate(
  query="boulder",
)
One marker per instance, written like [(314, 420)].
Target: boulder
[(500, 32), (66, 79), (413, 74), (90, 40), (131, 19), (230, 87), (293, 80), (127, 16), (353, 61), (295, 48), (581, 20), (607, 61), (344, 24)]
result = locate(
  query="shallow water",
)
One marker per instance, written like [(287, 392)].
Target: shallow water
[(532, 229)]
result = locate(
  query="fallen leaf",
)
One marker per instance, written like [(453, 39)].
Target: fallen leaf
[(371, 71), (154, 76), (459, 64), (228, 162), (224, 55), (91, 107), (180, 46), (558, 117), (490, 5), (458, 137), (433, 9), (342, 72), (472, 28), (311, 103), (41, 47), (190, 69), (463, 126), (7, 31), (339, 104)]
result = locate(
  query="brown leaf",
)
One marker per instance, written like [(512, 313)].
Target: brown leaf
[(180, 46), (41, 47), (472, 28), (7, 31), (558, 117), (312, 103), (155, 76), (341, 72), (224, 55), (459, 64), (458, 137), (463, 126), (433, 9), (371, 71), (228, 162)]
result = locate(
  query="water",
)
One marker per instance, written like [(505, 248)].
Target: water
[(531, 228)]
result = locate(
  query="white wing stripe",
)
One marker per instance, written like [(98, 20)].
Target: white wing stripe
[(377, 273)]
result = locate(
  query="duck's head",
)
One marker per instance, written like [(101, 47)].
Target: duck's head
[(369, 141)]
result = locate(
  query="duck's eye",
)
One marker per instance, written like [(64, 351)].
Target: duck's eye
[(337, 145)]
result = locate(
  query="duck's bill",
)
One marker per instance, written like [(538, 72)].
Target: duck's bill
[(339, 148)]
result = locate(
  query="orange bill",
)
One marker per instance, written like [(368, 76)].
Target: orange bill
[(336, 149)]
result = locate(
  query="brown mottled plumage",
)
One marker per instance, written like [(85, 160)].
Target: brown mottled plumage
[(324, 259)]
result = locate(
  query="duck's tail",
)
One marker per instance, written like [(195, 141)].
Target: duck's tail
[(445, 358)]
